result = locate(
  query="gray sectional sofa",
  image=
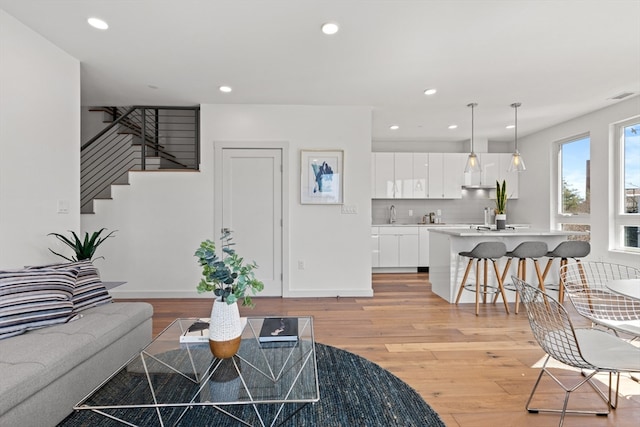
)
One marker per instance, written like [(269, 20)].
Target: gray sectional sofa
[(46, 369)]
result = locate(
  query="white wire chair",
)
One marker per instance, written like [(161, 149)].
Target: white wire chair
[(586, 349), (585, 284)]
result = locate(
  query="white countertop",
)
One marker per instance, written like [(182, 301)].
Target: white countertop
[(467, 232), (419, 224), (467, 226)]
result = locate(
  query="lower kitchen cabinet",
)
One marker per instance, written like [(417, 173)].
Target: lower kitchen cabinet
[(423, 247), (375, 248), (398, 246)]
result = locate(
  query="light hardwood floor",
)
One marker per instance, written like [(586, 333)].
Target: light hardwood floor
[(473, 370)]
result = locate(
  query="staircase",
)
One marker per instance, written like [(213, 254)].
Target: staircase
[(142, 138)]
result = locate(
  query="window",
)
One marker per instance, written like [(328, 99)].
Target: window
[(627, 223), (574, 189)]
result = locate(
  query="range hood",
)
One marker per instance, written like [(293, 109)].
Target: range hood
[(478, 187)]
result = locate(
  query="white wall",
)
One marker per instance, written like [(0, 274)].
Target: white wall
[(39, 144), (536, 183), (163, 216)]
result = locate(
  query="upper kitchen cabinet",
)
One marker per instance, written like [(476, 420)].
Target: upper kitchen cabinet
[(512, 178), (494, 168), (417, 175), (420, 175), (446, 175), (392, 175), (403, 172), (383, 186)]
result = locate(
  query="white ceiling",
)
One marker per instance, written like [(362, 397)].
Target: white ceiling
[(560, 59)]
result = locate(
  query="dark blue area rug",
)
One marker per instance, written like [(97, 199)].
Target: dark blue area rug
[(354, 392)]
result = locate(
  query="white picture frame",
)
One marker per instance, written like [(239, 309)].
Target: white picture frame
[(321, 177)]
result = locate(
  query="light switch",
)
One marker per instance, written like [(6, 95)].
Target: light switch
[(63, 206)]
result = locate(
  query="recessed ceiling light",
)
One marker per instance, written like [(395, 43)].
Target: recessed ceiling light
[(98, 23), (225, 89), (510, 126), (453, 127), (430, 91), (330, 28), (394, 127)]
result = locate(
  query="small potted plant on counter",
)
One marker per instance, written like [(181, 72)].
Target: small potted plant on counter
[(501, 205)]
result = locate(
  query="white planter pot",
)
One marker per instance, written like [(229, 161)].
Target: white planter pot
[(225, 329), (501, 221)]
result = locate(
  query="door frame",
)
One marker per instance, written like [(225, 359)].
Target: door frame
[(283, 146)]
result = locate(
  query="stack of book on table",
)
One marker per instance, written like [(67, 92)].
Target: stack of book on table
[(279, 329)]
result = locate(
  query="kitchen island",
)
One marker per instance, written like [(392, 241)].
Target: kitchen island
[(446, 267)]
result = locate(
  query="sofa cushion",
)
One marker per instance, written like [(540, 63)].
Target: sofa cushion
[(31, 361), (34, 299), (89, 290)]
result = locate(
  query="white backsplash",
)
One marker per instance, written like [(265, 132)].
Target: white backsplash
[(469, 209)]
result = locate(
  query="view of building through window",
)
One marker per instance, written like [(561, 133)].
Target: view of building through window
[(631, 181), (576, 188)]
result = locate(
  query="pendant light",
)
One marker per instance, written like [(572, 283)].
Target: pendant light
[(517, 163), (473, 164)]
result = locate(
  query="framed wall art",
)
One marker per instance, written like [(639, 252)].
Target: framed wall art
[(321, 177)]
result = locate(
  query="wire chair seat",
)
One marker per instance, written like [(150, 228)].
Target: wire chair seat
[(583, 348), (585, 284)]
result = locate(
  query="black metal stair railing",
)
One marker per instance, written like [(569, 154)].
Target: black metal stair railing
[(138, 138)]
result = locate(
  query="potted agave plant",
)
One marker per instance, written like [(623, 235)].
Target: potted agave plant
[(501, 205), (231, 280), (83, 248)]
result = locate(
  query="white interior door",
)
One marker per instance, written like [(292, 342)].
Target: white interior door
[(252, 208)]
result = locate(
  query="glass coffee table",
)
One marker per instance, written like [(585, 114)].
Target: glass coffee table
[(173, 383)]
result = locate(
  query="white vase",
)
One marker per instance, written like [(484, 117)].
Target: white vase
[(225, 329), (501, 221)]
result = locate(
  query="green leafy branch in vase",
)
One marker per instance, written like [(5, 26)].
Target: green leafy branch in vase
[(229, 277)]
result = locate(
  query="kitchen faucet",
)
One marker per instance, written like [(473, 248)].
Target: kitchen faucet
[(392, 214)]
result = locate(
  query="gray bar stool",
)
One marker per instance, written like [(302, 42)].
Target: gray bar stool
[(524, 251), (484, 251), (574, 249)]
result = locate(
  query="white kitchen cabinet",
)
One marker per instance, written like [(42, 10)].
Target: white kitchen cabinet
[(494, 168), (408, 250), (446, 175), (453, 165), (512, 178), (375, 248), (385, 187), (403, 175), (417, 175), (373, 175), (491, 169), (420, 175), (423, 247), (398, 246), (436, 176)]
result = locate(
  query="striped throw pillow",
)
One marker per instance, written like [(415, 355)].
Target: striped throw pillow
[(32, 299), (88, 290)]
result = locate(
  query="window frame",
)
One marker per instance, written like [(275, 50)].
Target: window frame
[(559, 218), (620, 217)]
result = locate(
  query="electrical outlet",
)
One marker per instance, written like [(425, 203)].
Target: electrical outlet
[(410, 212), (300, 265)]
